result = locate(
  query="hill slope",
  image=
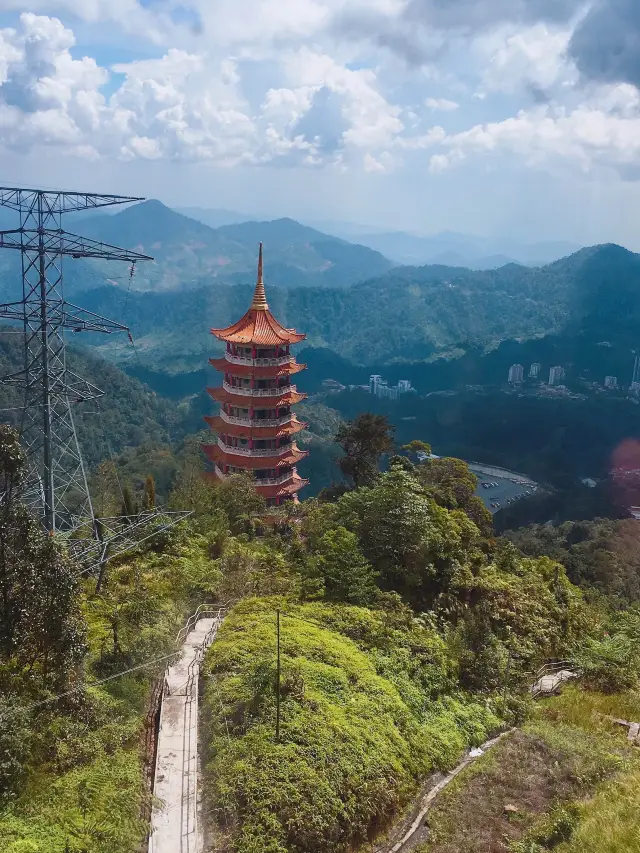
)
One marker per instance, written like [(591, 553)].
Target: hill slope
[(188, 254), (409, 314)]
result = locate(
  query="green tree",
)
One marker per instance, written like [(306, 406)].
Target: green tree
[(149, 501), (128, 505), (105, 490), (452, 485), (345, 573), (414, 544), (364, 440), (40, 624), (416, 446)]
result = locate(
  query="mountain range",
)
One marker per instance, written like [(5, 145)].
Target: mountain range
[(188, 254), (454, 249), (408, 314), (449, 248)]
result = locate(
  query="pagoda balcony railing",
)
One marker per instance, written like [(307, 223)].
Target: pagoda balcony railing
[(255, 422), (246, 451), (259, 392), (258, 362), (267, 481), (276, 481)]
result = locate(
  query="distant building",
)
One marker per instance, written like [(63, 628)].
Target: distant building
[(635, 388), (610, 381), (374, 380), (385, 392), (516, 373), (534, 370), (556, 375), (332, 385), (380, 388)]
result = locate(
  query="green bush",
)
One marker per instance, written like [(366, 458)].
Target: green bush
[(363, 719)]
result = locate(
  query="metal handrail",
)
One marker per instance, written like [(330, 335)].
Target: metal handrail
[(191, 621), (258, 362), (554, 668), (256, 422), (248, 451), (259, 392)]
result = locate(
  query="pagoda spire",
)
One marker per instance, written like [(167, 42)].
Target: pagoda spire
[(259, 296)]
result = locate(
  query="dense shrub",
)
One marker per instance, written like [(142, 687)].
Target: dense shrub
[(363, 718)]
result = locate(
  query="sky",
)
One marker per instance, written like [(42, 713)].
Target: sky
[(515, 118)]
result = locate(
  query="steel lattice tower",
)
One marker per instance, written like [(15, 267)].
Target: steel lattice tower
[(57, 487)]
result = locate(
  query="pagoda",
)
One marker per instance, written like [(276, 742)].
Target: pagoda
[(256, 425)]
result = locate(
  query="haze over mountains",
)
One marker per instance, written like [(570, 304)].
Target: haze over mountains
[(407, 314), (221, 246), (189, 254), (449, 247)]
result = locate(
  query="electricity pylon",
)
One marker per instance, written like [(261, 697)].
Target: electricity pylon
[(57, 488)]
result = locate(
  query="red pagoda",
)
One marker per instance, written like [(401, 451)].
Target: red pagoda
[(255, 425)]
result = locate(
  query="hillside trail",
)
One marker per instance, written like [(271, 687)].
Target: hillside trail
[(174, 820), (406, 835)]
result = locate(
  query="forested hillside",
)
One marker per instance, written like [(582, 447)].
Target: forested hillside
[(189, 254), (408, 314), (408, 633)]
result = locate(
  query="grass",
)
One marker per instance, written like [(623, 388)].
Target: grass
[(84, 791), (569, 777), (361, 724)]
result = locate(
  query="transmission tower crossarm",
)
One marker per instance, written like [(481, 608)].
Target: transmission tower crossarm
[(64, 243), (80, 320), (59, 201)]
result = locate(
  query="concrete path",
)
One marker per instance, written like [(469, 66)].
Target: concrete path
[(174, 820), (550, 683)]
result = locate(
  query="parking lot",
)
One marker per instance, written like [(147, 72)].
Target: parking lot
[(504, 493)]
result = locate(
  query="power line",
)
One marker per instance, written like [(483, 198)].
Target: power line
[(57, 473), (81, 687)]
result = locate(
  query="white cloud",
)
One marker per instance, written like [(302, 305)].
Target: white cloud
[(441, 104), (534, 56), (313, 100), (584, 138), (187, 105)]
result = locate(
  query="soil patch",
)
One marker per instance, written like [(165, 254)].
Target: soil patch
[(497, 799)]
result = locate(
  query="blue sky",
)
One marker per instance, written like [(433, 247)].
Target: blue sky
[(498, 117)]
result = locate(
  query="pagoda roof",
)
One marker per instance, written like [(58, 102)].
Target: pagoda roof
[(253, 463), (258, 325), (245, 401), (289, 488), (223, 428), (235, 369)]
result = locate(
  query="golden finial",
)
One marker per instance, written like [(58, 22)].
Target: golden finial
[(259, 296)]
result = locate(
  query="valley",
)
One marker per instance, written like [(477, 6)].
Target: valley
[(375, 632)]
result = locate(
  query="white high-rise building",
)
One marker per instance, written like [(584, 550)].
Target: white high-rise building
[(374, 381), (386, 392), (534, 370), (556, 375), (403, 386), (610, 381), (516, 373)]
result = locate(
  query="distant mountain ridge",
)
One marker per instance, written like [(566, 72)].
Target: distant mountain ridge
[(462, 249), (188, 254), (407, 314)]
